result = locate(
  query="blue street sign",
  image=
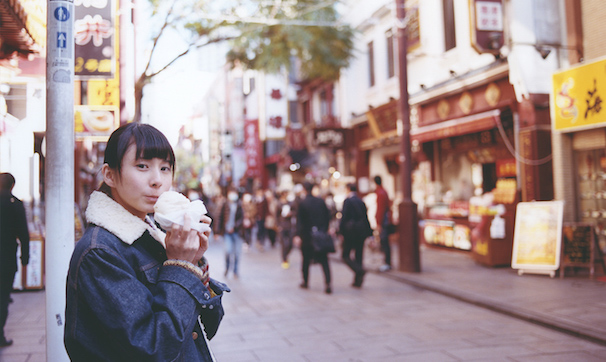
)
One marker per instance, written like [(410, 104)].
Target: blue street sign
[(61, 40), (61, 13)]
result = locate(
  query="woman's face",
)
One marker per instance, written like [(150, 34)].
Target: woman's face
[(140, 182)]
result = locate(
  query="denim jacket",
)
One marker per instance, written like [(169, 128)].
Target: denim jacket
[(123, 304)]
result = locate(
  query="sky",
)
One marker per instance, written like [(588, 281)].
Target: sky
[(172, 96)]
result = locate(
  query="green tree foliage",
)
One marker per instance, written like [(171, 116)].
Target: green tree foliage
[(305, 30), (265, 35)]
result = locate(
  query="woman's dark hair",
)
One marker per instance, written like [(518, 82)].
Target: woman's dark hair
[(149, 141)]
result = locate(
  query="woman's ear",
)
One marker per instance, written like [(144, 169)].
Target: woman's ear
[(109, 175)]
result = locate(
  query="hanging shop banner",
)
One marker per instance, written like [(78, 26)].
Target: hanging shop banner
[(95, 29), (537, 236), (252, 148), (95, 121), (103, 92), (578, 94)]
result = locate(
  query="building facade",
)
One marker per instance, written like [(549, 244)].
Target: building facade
[(479, 79), (578, 118)]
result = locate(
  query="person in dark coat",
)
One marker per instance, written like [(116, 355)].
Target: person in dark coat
[(312, 212), (13, 226), (355, 228)]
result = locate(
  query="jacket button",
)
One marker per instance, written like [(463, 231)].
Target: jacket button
[(194, 335)]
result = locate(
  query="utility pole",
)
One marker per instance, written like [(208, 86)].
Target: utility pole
[(59, 168), (410, 260)]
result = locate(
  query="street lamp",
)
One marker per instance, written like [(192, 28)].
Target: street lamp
[(410, 260)]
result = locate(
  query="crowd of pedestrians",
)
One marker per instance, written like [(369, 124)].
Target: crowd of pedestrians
[(263, 218)]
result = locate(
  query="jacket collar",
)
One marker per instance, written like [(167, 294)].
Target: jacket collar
[(103, 211)]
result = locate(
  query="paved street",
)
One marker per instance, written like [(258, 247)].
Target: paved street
[(269, 318)]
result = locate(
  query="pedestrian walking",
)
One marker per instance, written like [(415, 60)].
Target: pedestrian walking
[(383, 218), (133, 292), (230, 226), (249, 209), (355, 228), (261, 208), (13, 227), (312, 214), (271, 217), (286, 225)]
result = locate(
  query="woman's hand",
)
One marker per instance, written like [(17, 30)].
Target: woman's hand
[(203, 239), (185, 243)]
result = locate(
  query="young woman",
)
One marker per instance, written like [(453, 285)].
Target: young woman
[(133, 292)]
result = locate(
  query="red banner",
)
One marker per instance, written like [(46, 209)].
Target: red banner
[(252, 148)]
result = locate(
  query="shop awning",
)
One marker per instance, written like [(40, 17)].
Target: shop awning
[(456, 127), (22, 27)]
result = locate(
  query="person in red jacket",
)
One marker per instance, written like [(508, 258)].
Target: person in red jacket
[(383, 218)]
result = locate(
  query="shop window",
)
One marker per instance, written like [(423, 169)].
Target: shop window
[(306, 112), (390, 54), (371, 64), (450, 39), (591, 174), (327, 106)]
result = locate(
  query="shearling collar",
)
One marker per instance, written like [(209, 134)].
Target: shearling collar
[(103, 211)]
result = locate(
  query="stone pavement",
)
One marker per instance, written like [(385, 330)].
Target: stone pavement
[(448, 312)]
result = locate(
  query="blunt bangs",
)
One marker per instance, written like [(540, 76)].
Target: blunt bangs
[(149, 141)]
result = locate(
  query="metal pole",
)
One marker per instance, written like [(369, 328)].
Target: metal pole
[(59, 170), (410, 260)]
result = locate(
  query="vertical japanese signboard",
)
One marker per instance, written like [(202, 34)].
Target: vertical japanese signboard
[(276, 107), (486, 25), (578, 97), (94, 36), (252, 148)]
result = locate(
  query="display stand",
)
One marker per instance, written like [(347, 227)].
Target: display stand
[(538, 237), (580, 248), (494, 252)]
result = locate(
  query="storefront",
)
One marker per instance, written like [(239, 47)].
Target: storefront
[(579, 123), (466, 180), (377, 149)]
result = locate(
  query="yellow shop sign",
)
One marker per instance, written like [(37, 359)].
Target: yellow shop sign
[(578, 97)]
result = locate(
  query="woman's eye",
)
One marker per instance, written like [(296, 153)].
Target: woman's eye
[(141, 165), (166, 168)]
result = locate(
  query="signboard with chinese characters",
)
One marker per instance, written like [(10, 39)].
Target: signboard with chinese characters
[(486, 25), (330, 137), (252, 148), (276, 107), (578, 96), (95, 31)]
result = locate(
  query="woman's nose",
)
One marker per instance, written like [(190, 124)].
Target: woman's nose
[(156, 178)]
